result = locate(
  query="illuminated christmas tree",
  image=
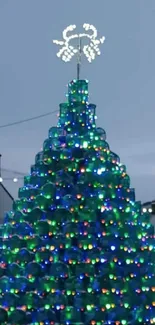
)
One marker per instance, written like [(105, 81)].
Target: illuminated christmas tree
[(76, 248)]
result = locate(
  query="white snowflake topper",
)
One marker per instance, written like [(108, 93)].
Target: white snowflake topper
[(90, 51)]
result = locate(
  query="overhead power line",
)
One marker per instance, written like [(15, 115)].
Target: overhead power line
[(27, 120), (13, 171), (12, 124)]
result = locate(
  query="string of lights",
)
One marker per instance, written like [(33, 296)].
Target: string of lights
[(77, 227), (15, 179), (76, 249)]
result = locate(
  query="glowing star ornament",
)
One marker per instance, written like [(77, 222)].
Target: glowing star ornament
[(90, 50)]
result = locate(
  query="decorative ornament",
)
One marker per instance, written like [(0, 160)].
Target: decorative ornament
[(90, 50)]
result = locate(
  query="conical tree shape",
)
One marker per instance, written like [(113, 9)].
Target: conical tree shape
[(76, 248)]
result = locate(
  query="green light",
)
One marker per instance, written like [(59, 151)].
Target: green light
[(85, 144), (47, 306), (12, 308), (71, 204), (127, 261), (108, 306), (127, 209), (112, 264), (140, 319)]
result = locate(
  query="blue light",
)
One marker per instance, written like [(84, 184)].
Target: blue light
[(102, 260), (113, 248)]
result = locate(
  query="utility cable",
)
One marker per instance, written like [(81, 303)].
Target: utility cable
[(27, 120), (12, 171)]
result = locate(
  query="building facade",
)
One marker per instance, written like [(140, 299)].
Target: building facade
[(6, 202)]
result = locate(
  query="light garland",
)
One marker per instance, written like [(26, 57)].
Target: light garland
[(14, 179), (90, 51), (76, 248)]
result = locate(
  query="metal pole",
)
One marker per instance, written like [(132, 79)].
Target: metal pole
[(79, 58)]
